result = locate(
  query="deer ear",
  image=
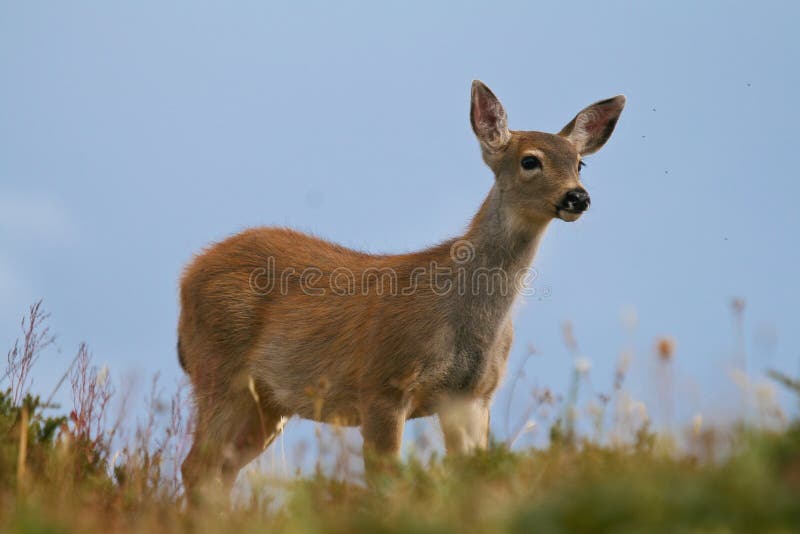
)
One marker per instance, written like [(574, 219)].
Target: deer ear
[(591, 128), (488, 118)]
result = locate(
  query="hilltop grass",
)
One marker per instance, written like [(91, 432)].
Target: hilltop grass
[(58, 474)]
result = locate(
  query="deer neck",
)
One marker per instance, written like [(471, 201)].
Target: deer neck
[(498, 245)]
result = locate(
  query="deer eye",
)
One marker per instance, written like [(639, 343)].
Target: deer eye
[(581, 165), (531, 162)]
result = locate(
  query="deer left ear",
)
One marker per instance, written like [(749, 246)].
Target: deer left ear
[(591, 128)]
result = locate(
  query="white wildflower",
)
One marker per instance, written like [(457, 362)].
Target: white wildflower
[(697, 424), (639, 409), (583, 365), (740, 379), (102, 376), (530, 425), (765, 393)]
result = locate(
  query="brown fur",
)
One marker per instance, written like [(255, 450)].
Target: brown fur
[(382, 353)]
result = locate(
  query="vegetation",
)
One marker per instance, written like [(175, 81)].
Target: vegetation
[(58, 472)]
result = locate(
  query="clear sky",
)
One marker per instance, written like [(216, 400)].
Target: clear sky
[(133, 135)]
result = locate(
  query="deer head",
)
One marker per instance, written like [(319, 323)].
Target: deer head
[(538, 174)]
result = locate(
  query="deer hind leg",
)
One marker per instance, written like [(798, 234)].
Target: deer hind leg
[(262, 427), (202, 468), (229, 434), (465, 425)]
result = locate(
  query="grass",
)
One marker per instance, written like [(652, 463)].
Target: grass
[(58, 472)]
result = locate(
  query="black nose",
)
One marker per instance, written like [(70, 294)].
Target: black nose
[(576, 200)]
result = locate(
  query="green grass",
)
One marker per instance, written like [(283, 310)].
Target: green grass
[(558, 489), (57, 474)]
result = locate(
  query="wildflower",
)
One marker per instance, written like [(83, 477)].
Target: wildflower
[(582, 365), (594, 410), (638, 409), (740, 379), (102, 376), (765, 393), (697, 424), (530, 425), (665, 348)]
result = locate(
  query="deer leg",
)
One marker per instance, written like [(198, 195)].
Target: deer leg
[(202, 468), (225, 440), (465, 425), (260, 430), (382, 421)]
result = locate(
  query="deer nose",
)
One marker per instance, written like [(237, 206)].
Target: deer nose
[(576, 200)]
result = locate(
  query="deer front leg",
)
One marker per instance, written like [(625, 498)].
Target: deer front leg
[(465, 425), (382, 421)]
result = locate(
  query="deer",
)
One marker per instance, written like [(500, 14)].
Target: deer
[(275, 323)]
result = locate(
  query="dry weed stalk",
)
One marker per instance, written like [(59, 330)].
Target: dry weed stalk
[(36, 337), (91, 394)]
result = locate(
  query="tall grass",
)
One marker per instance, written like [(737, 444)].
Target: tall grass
[(92, 468)]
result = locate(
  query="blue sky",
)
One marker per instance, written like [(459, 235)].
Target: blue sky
[(133, 135)]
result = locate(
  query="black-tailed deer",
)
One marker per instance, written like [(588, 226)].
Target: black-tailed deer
[(276, 323)]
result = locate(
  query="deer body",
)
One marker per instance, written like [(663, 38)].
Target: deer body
[(276, 323)]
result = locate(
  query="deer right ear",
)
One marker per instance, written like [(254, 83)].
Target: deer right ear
[(488, 118)]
